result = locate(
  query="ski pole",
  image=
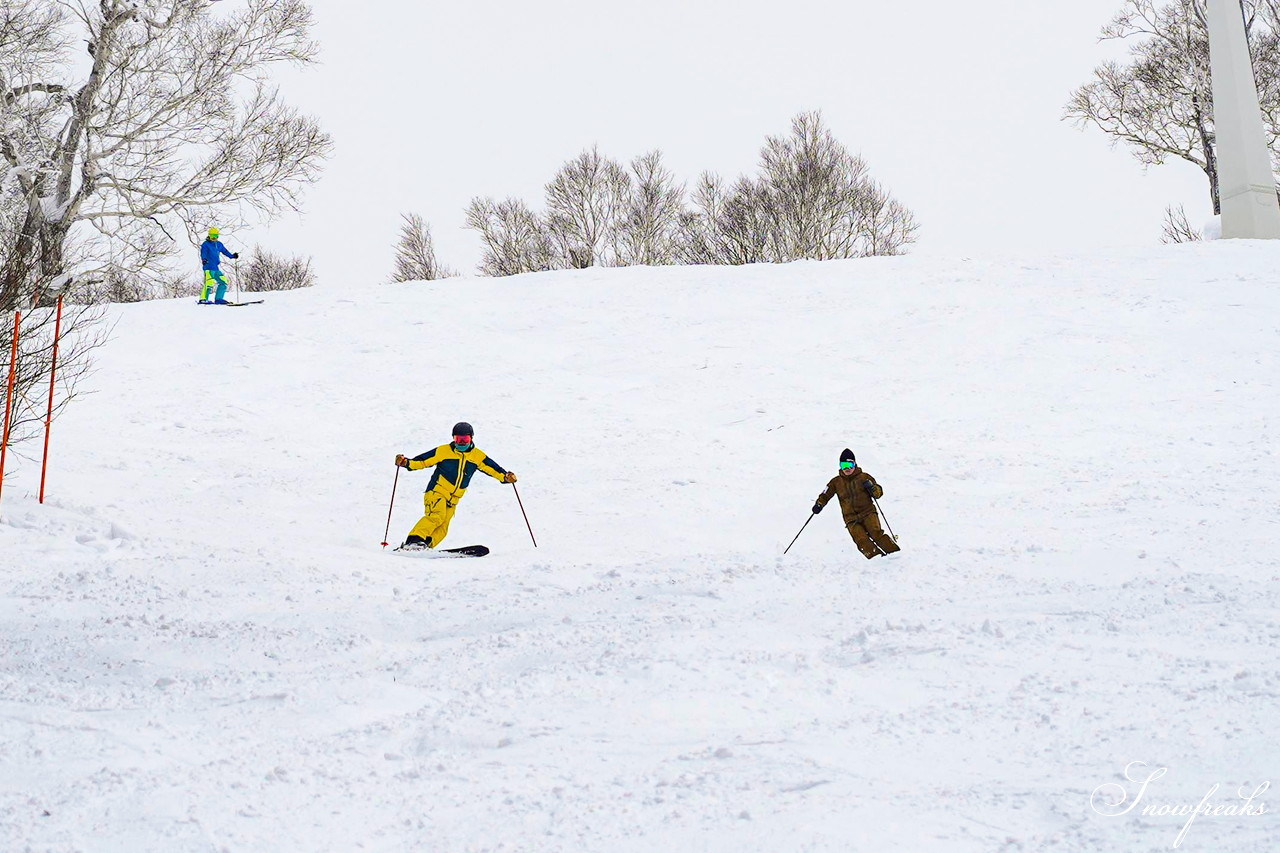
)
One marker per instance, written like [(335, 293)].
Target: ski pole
[(525, 514), (235, 271), (394, 483), (802, 527), (886, 521)]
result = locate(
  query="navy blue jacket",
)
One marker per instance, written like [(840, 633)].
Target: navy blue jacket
[(454, 468)]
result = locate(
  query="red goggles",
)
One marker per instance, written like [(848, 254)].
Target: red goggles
[(462, 439)]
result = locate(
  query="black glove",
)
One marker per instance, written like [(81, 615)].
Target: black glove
[(869, 486), (235, 256), (817, 508)]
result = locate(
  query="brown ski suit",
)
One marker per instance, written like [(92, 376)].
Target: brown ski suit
[(855, 492)]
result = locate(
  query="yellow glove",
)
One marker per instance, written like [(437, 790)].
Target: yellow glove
[(401, 461), (509, 477)]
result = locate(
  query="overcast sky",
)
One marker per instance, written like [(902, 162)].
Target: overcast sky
[(955, 106)]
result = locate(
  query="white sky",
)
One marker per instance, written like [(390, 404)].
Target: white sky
[(955, 106)]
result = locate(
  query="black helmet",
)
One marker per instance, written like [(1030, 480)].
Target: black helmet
[(846, 455), (463, 428)]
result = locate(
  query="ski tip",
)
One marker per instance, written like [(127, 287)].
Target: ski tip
[(468, 551)]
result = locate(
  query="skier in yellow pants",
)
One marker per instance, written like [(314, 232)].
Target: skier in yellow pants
[(455, 463)]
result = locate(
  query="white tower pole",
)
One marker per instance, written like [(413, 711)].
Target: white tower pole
[(1246, 185)]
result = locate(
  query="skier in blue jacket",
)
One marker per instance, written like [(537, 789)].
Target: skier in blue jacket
[(211, 252)]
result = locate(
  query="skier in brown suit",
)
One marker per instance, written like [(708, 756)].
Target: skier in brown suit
[(856, 489)]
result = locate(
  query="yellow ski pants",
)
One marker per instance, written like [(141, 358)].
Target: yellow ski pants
[(434, 524)]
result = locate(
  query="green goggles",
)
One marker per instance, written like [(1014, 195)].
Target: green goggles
[(846, 466)]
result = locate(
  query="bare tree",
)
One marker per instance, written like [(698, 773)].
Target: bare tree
[(267, 271), (884, 225), (813, 199), (651, 217), (104, 284), (131, 267), (416, 253), (748, 225), (1160, 102), (824, 203), (699, 239), (586, 201), (1178, 228), (83, 330), (178, 286), (113, 285), (515, 239), (813, 182)]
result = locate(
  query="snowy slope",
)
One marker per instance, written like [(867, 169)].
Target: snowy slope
[(204, 648)]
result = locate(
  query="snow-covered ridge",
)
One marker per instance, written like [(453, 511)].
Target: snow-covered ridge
[(205, 648)]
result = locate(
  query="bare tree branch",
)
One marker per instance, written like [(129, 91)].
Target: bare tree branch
[(416, 253), (1178, 228)]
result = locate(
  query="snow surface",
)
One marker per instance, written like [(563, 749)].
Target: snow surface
[(205, 649)]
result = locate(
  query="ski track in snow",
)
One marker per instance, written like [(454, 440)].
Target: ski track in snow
[(204, 648)]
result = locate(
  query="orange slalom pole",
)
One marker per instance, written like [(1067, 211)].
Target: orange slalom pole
[(48, 418), (8, 395)]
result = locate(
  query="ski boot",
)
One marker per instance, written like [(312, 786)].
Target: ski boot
[(416, 543)]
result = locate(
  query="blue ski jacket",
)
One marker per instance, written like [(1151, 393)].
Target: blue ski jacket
[(210, 251)]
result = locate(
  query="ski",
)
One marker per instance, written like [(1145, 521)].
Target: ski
[(465, 551), (235, 304), (468, 551)]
